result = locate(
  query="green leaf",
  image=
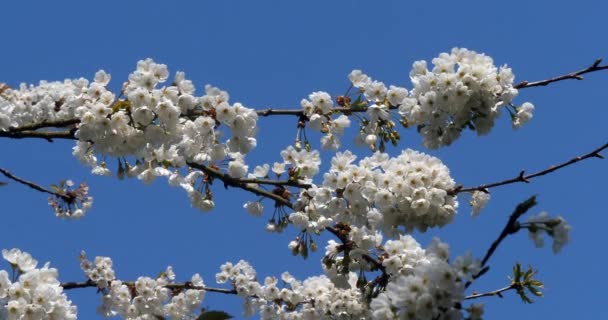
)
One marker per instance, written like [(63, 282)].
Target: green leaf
[(214, 315), (517, 272), (534, 291)]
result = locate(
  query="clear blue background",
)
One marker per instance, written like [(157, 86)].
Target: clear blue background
[(272, 54)]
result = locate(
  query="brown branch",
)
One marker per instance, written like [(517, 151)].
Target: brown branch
[(232, 182), (279, 112), (45, 124), (522, 177), (300, 112), (577, 75), (172, 286), (33, 185), (47, 135), (289, 183)]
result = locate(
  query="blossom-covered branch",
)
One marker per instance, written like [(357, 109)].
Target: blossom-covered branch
[(522, 177), (172, 286)]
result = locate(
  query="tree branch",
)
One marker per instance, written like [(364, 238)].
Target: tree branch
[(522, 177), (511, 227), (573, 75), (33, 185), (172, 286), (232, 182), (289, 183), (45, 124), (47, 135)]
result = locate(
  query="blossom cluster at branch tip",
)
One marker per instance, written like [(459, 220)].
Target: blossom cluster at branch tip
[(464, 89), (70, 202), (32, 293), (556, 228), (146, 298)]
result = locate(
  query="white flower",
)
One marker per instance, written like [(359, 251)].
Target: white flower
[(102, 78), (476, 311), (237, 168), (5, 284), (375, 91), (561, 234), (467, 266), (524, 114), (278, 168), (396, 95), (261, 171), (557, 228), (255, 208), (359, 79), (11, 255), (478, 201)]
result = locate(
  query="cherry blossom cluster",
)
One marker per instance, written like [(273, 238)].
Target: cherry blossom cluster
[(557, 228), (410, 190), (378, 128), (316, 297), (70, 202), (32, 293), (422, 284), (46, 102), (151, 131), (464, 89), (319, 109), (304, 163), (146, 298)]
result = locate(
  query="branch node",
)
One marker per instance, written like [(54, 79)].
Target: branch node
[(522, 176), (597, 63)]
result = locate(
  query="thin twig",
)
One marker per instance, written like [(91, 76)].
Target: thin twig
[(522, 177), (577, 75), (172, 286), (32, 185), (511, 227), (492, 293)]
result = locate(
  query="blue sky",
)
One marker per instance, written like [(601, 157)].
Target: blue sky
[(274, 53)]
